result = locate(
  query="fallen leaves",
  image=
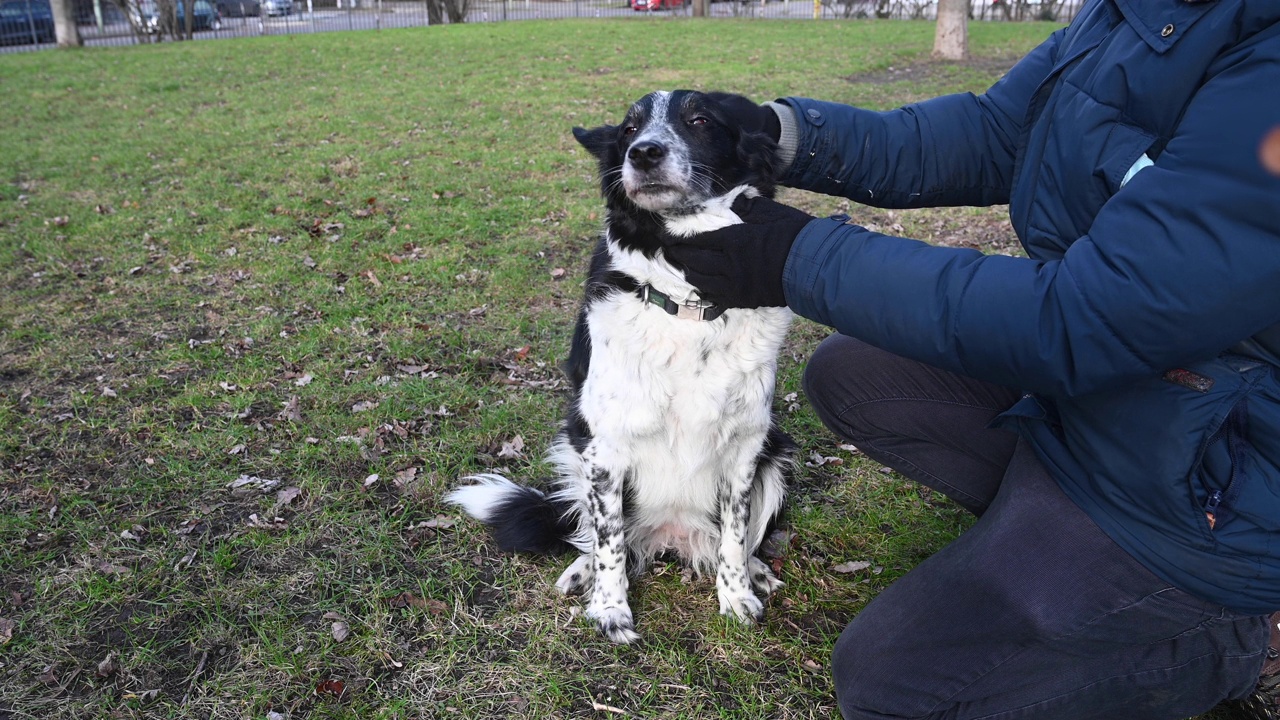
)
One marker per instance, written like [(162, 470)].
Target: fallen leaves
[(364, 406), (330, 687), (275, 523), (439, 522), (108, 666), (7, 627), (852, 566), (817, 459), (108, 568), (513, 448), (292, 410), (340, 630), (247, 485), (287, 495), (407, 599)]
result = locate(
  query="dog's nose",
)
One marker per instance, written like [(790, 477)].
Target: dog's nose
[(646, 155)]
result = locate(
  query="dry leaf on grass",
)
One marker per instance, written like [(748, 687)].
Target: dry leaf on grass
[(408, 599), (513, 448), (7, 627), (340, 629), (292, 411), (330, 687), (818, 460), (107, 568), (287, 495), (852, 566), (107, 667), (246, 485)]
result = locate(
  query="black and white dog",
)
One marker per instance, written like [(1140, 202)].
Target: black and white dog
[(669, 443)]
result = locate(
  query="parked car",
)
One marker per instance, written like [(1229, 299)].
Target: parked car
[(204, 16), (656, 4), (277, 7), (24, 22), (239, 8)]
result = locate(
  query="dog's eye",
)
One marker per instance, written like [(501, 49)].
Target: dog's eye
[(629, 130), (699, 120)]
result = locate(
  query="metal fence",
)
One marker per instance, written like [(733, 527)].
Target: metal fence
[(28, 25)]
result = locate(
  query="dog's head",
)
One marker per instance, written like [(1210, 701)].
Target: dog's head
[(676, 150)]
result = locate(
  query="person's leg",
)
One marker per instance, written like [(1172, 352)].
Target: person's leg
[(928, 424), (1035, 613)]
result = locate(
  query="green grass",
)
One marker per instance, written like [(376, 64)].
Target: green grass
[(361, 228)]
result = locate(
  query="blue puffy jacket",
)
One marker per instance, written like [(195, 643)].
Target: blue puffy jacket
[(1145, 327)]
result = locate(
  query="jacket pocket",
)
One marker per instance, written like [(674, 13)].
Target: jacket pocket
[(1220, 473), (1123, 148)]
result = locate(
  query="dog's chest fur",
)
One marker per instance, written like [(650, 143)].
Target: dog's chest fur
[(682, 402)]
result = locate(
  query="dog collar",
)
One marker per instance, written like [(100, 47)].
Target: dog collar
[(692, 310)]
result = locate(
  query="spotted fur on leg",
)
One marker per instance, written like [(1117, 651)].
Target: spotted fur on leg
[(607, 605), (733, 584)]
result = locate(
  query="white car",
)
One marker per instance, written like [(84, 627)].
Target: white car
[(277, 7)]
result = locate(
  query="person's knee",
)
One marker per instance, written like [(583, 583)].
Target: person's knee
[(856, 665), (838, 378)]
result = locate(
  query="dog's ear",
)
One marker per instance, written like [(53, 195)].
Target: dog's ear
[(758, 153), (598, 141), (746, 114)]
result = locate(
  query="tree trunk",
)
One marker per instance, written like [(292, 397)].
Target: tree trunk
[(435, 12), (64, 23), (456, 10), (951, 38)]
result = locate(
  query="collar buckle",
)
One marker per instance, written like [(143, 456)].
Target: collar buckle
[(688, 310)]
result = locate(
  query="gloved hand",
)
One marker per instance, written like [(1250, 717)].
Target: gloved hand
[(740, 266), (750, 116)]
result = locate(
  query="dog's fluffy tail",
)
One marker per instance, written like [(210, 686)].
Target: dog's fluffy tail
[(521, 518)]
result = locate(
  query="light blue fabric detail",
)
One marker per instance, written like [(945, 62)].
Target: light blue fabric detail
[(1141, 163)]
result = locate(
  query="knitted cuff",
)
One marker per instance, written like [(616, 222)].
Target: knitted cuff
[(790, 138)]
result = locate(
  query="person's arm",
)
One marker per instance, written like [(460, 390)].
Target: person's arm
[(1181, 263), (953, 150)]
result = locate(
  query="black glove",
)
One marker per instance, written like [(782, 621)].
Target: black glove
[(740, 266), (750, 116)]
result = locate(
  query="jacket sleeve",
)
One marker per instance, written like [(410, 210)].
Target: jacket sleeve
[(952, 150), (1181, 263)]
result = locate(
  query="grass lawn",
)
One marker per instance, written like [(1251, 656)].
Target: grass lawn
[(262, 301)]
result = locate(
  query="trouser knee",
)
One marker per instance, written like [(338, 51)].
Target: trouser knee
[(855, 664), (832, 386)]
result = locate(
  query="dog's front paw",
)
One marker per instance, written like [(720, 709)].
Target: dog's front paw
[(763, 581), (614, 622), (742, 604), (577, 578)]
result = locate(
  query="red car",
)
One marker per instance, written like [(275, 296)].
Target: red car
[(656, 4)]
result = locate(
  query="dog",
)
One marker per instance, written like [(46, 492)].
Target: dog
[(669, 443)]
